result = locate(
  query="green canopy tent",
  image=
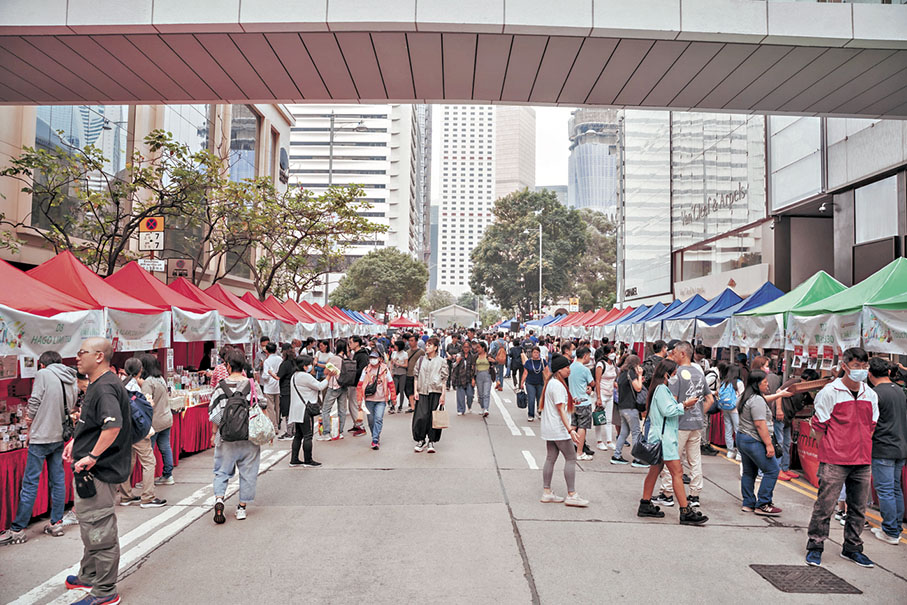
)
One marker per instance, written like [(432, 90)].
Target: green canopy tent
[(884, 324), (836, 320), (763, 327)]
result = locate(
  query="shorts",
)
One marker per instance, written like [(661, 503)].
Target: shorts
[(582, 417), (409, 389)]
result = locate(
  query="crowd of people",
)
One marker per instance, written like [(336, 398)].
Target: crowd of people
[(653, 413)]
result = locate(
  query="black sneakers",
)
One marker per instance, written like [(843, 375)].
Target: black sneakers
[(664, 499), (693, 501), (708, 450), (647, 509), (690, 516)]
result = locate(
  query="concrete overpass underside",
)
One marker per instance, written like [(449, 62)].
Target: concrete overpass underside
[(721, 55)]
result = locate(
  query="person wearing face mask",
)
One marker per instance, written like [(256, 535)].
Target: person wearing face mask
[(605, 378), (375, 390), (431, 385), (846, 413), (304, 391)]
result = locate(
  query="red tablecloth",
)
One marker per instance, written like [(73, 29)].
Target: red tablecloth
[(12, 470), (174, 446), (195, 430), (716, 432)]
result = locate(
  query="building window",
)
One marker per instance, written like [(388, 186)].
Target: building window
[(244, 128), (876, 210)]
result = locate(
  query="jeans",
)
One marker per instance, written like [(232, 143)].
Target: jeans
[(629, 426), (752, 455), (375, 418), (342, 399), (464, 398), (162, 441), (856, 477), (230, 455), (34, 464), (533, 393), (886, 474), (483, 386), (785, 442), (731, 423), (499, 374)]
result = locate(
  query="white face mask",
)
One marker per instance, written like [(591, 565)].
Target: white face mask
[(308, 368), (612, 356), (373, 361)]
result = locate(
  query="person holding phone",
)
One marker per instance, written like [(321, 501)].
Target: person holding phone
[(754, 441)]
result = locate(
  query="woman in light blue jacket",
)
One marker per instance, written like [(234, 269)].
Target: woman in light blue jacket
[(663, 412)]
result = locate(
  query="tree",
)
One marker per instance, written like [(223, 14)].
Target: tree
[(490, 317), (434, 300), (296, 226), (505, 264), (381, 279), (78, 206), (596, 278), (469, 300)]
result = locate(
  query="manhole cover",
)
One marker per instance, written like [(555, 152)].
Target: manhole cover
[(804, 579)]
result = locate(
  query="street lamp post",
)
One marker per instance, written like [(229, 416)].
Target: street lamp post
[(540, 269)]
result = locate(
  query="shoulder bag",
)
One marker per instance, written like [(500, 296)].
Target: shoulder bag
[(68, 427), (650, 453), (261, 429), (313, 409)]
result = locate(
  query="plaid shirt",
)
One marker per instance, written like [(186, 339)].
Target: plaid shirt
[(220, 372)]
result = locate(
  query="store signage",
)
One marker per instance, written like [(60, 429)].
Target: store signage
[(152, 264), (714, 203)]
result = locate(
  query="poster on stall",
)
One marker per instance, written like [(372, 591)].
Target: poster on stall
[(884, 330), (194, 327), (169, 361), (841, 331), (28, 366), (9, 365), (136, 332), (757, 332), (26, 334), (236, 331), (718, 335)]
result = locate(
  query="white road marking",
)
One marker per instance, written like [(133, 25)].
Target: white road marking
[(529, 432), (530, 460), (156, 539), (514, 430)]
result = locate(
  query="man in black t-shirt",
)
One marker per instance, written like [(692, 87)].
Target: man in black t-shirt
[(889, 450), (101, 447)]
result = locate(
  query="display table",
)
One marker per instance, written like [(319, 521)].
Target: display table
[(12, 470), (716, 430), (195, 430)]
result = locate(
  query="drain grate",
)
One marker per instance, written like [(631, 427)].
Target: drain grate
[(804, 579)]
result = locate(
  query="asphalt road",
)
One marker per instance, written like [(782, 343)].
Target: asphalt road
[(463, 525)]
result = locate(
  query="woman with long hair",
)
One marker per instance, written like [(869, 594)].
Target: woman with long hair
[(605, 379), (399, 360), (730, 386), (484, 376), (304, 391), (629, 384), (556, 408), (155, 387), (664, 411), (754, 441), (534, 380)]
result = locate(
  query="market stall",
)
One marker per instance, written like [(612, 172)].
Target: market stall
[(714, 329), (653, 325), (404, 322), (683, 325), (620, 329), (450, 315)]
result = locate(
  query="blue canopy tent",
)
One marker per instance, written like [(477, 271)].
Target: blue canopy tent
[(652, 325), (544, 321), (715, 328), (683, 326)]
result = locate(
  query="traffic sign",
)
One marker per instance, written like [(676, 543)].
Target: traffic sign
[(153, 264), (179, 267), (151, 241), (151, 223)]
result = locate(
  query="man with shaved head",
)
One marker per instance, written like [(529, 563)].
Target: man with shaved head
[(100, 453)]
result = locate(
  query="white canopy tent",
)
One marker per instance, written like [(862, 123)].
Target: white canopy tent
[(453, 314)]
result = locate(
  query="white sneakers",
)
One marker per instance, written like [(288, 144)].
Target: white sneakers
[(419, 447), (583, 457), (738, 457), (551, 499), (881, 535), (431, 447), (731, 455), (576, 500), (601, 445), (240, 513)]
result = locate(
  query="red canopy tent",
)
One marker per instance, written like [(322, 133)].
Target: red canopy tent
[(304, 316), (23, 292), (403, 322), (153, 290), (65, 272), (278, 312), (316, 310), (623, 313), (218, 292), (188, 289)]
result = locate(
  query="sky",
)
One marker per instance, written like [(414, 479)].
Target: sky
[(551, 145)]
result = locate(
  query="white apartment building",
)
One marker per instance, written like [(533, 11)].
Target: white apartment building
[(374, 146), (480, 152)]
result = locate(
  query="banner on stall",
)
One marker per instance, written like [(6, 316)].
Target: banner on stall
[(194, 327), (841, 331), (884, 330), (135, 332), (269, 328), (758, 331), (680, 329), (718, 335), (652, 331), (26, 334), (236, 331)]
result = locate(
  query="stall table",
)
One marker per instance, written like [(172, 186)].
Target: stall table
[(12, 470)]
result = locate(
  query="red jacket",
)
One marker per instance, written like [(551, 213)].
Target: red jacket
[(848, 423), (368, 374)]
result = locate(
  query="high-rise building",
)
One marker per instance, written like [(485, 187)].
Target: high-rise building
[(378, 147), (592, 167), (480, 153), (423, 117), (560, 191)]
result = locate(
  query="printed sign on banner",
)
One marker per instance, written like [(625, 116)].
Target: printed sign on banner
[(194, 327), (759, 331), (884, 330), (136, 332), (26, 334), (842, 331), (718, 335)]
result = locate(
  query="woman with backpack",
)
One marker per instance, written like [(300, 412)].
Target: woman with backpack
[(556, 410), (605, 378), (484, 376), (304, 391), (229, 402), (754, 440), (729, 391), (376, 391), (663, 409)]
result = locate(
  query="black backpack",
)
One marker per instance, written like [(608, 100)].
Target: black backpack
[(234, 425), (349, 376)]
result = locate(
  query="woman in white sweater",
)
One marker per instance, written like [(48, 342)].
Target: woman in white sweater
[(304, 390)]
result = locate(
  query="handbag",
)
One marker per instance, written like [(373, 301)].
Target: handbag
[(599, 418), (439, 418), (641, 397), (313, 409), (261, 429), (68, 427), (372, 387), (650, 453), (776, 446), (522, 399)]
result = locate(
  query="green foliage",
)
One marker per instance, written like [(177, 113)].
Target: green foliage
[(381, 279), (469, 300), (434, 300), (596, 277), (506, 261), (489, 317)]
